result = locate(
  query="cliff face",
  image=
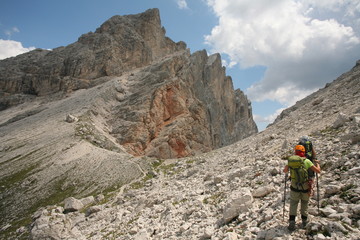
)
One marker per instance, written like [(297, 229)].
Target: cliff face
[(181, 106), (173, 105)]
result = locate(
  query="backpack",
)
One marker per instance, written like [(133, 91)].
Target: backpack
[(308, 149), (308, 153), (298, 172)]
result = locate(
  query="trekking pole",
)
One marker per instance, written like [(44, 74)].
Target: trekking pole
[(286, 176), (318, 192)]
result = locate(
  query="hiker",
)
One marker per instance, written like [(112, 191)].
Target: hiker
[(309, 150), (298, 166), (311, 155)]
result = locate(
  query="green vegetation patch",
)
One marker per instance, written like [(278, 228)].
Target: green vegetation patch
[(330, 130), (12, 180), (168, 169), (58, 194), (215, 199), (190, 161), (157, 163), (180, 202), (141, 183)]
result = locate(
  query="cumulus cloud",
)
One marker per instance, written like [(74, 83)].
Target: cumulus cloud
[(182, 4), (303, 43), (9, 48), (268, 119)]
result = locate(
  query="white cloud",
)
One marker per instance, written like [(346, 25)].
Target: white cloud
[(303, 43), (182, 4), (228, 64), (350, 8), (9, 48), (10, 32), (268, 119)]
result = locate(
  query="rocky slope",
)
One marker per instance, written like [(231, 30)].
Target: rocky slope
[(80, 119), (234, 192)]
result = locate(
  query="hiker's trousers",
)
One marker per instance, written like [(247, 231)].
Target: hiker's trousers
[(295, 197)]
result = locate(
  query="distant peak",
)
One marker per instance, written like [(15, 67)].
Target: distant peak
[(149, 16)]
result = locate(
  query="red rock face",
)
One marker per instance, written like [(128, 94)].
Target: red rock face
[(166, 133), (180, 107), (168, 106)]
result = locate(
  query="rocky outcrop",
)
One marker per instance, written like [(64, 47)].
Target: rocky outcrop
[(181, 106), (121, 44)]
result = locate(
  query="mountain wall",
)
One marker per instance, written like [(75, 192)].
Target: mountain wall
[(187, 103), (183, 105), (97, 114)]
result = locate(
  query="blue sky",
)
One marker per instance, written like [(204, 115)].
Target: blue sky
[(276, 51)]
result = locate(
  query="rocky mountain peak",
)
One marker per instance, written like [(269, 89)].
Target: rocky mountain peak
[(99, 113), (116, 25), (121, 44), (168, 88)]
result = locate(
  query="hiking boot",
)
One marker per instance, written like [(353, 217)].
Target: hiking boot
[(291, 226)]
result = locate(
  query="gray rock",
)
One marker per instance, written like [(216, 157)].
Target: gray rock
[(238, 202), (231, 236), (353, 171), (99, 198), (332, 189), (93, 209), (335, 226), (341, 120), (274, 172), (262, 191), (327, 211), (72, 204), (319, 236), (88, 200), (70, 118)]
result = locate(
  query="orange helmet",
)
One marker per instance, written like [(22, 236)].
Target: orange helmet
[(299, 148)]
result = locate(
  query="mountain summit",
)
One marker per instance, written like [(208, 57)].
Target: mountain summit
[(167, 102), (94, 115)]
